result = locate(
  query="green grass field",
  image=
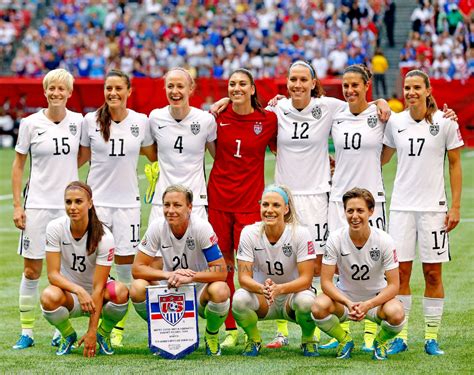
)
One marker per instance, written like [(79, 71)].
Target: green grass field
[(456, 335)]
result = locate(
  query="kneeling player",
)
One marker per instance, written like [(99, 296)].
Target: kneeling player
[(368, 278), (276, 261), (79, 254), (187, 251)]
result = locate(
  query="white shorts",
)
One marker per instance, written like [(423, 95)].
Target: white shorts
[(312, 211), (277, 309), (371, 314), (337, 217), (427, 228), (157, 211), (33, 238), (125, 226)]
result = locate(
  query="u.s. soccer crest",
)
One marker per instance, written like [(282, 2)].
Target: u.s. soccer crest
[(257, 128), (195, 128), (287, 249), (317, 112), (374, 254), (190, 243), (134, 130), (434, 129), (172, 320), (26, 243), (73, 128), (372, 121)]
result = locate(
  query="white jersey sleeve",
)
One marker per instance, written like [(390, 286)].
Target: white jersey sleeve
[(358, 141), (181, 150), (53, 150), (151, 241), (303, 135), (421, 152), (76, 265), (113, 169)]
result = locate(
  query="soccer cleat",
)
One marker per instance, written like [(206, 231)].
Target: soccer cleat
[(344, 349), (398, 345), (252, 349), (231, 339), (380, 351), (212, 344), (24, 342), (432, 347), (331, 344), (66, 344), (56, 338), (116, 338), (105, 347), (278, 342), (310, 349)]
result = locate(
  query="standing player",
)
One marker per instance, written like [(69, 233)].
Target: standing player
[(187, 251), (79, 254), (51, 138), (237, 178), (419, 209), (112, 139), (368, 282), (182, 134), (276, 263)]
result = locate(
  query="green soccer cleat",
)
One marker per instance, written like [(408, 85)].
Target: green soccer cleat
[(105, 346), (252, 349), (380, 351), (344, 349), (231, 339), (310, 349), (66, 344), (212, 344)]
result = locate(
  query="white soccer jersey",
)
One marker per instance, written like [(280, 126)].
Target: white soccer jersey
[(278, 262), (421, 151), (361, 272), (181, 149), (185, 252), (302, 161), (76, 265), (113, 169), (358, 141), (53, 156)]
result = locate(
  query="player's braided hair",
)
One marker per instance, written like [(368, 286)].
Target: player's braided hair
[(254, 98), (95, 228), (431, 106), (104, 118), (361, 69)]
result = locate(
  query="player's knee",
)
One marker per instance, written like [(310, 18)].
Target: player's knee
[(138, 290), (218, 291), (320, 308), (243, 300), (303, 301), (32, 273), (51, 298), (395, 315), (433, 278), (118, 292)]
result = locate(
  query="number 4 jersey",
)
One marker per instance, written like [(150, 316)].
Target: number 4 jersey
[(421, 151), (76, 265), (361, 271), (53, 151)]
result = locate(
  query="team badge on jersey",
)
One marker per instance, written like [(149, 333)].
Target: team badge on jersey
[(26, 243), (374, 254), (73, 128), (317, 112), (195, 128), (172, 307), (144, 241), (257, 128), (134, 130), (287, 250), (190, 243), (372, 121), (434, 129)]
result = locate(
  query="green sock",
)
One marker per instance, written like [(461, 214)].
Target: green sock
[(404, 332), (282, 327), (331, 326), (346, 326), (112, 313), (65, 328), (27, 311), (215, 314), (121, 325), (387, 331), (307, 325), (248, 321), (59, 318)]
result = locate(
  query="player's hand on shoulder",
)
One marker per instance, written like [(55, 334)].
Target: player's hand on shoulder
[(383, 110), (449, 113), (219, 106), (274, 101)]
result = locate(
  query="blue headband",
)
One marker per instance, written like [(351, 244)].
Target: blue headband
[(277, 189), (304, 63)]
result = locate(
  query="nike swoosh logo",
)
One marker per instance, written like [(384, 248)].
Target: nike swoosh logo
[(67, 243), (322, 245), (166, 247), (161, 127), (97, 130), (256, 249), (344, 255), (222, 124), (401, 130), (286, 113), (134, 246), (338, 122), (41, 133), (442, 252)]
